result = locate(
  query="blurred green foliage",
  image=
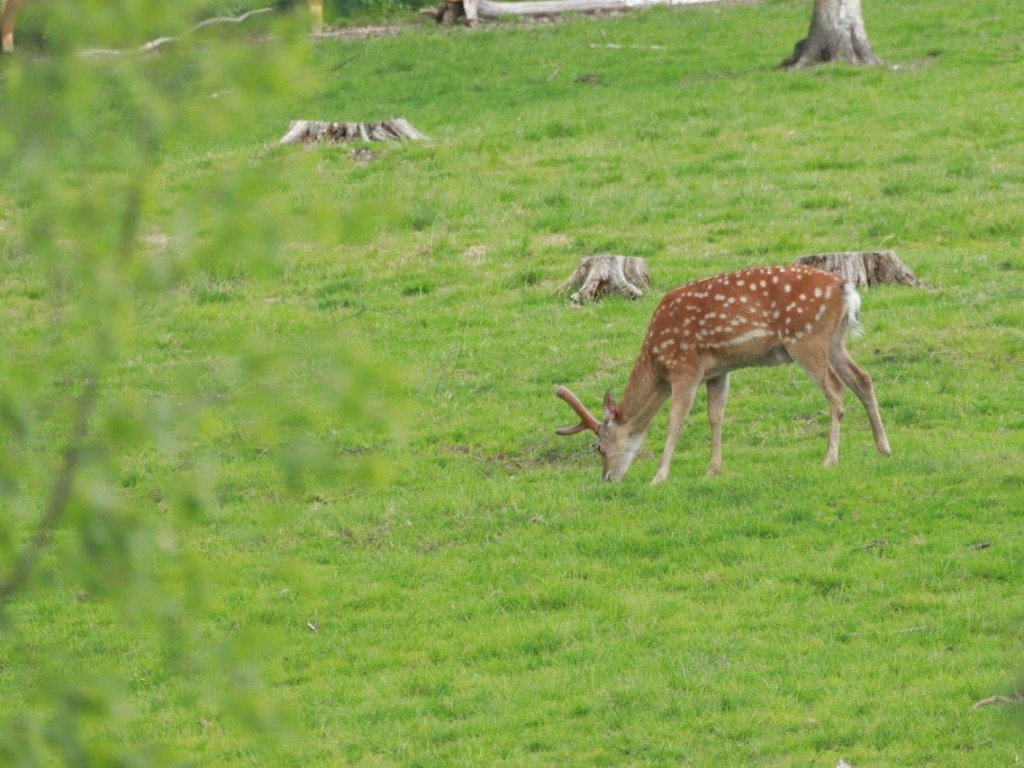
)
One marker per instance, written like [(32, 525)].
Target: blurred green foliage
[(347, 8), (226, 574), (119, 391), (44, 24)]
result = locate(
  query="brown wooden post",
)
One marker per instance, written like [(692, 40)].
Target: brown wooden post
[(8, 16)]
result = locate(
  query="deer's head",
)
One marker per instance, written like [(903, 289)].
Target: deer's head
[(616, 444)]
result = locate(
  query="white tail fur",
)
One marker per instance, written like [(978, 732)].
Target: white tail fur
[(851, 307)]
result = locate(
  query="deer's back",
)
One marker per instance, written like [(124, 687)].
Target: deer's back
[(744, 318)]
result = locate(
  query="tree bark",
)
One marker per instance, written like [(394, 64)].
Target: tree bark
[(864, 269), (837, 34)]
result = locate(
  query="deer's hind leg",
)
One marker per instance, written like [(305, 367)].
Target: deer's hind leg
[(857, 379), (813, 357)]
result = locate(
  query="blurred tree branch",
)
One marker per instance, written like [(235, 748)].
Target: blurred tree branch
[(57, 503), (159, 42)]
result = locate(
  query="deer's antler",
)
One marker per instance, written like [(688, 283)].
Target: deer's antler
[(587, 420)]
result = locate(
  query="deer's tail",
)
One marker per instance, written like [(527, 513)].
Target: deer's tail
[(851, 309)]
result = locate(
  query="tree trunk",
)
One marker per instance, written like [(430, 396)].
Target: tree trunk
[(836, 34), (316, 8), (8, 16)]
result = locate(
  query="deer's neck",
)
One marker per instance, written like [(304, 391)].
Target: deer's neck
[(645, 393)]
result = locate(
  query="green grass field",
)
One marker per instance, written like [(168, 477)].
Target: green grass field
[(356, 539)]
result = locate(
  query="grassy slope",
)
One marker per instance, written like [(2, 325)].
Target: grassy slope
[(493, 604)]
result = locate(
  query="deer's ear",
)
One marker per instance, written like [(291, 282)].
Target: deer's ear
[(611, 413)]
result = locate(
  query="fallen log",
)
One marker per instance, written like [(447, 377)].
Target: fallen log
[(472, 10), (310, 131), (597, 276), (864, 269), (489, 9)]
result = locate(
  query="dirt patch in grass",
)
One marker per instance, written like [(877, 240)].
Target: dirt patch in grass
[(348, 34)]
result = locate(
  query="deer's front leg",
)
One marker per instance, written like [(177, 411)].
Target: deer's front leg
[(718, 393), (683, 392)]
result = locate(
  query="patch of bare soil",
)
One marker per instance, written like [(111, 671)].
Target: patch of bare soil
[(360, 33)]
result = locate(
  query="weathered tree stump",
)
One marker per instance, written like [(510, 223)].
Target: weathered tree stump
[(309, 131), (451, 11), (863, 268), (597, 276)]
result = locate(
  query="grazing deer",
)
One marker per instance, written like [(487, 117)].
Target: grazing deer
[(703, 330)]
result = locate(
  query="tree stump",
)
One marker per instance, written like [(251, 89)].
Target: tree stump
[(451, 11), (863, 268), (309, 131), (597, 276)]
